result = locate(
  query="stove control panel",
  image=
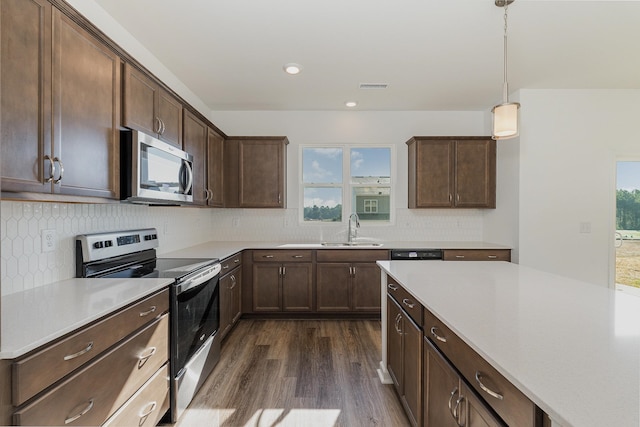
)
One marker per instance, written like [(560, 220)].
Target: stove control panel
[(94, 247)]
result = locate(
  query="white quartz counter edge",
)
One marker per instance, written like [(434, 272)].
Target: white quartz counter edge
[(572, 347), (224, 249), (37, 316)]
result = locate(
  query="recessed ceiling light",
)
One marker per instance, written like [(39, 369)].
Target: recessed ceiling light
[(351, 104), (292, 68)]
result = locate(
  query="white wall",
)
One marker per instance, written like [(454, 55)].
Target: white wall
[(569, 142)]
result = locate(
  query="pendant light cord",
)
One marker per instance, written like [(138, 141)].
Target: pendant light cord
[(505, 88)]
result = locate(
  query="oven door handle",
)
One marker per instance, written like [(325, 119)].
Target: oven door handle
[(198, 279)]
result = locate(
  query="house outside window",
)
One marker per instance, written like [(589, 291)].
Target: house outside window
[(339, 180)]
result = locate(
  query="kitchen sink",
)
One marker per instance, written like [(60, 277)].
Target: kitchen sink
[(349, 244)]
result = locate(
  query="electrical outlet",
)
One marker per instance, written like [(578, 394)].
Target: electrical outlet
[(48, 240), (585, 227), (235, 222)]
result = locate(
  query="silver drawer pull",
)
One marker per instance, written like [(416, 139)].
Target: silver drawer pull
[(152, 407), (225, 266), (267, 256), (80, 353), (436, 336), (297, 256), (79, 414), (398, 319), (487, 389), (152, 351), (392, 287), (459, 256), (492, 256), (148, 312), (235, 261), (408, 303)]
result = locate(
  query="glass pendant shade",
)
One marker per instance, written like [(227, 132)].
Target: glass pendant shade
[(505, 120)]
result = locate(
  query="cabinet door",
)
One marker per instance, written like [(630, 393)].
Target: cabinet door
[(215, 173), (476, 411), (365, 287), (195, 143), (262, 173), (297, 293), (139, 111), (476, 174), (25, 103), (433, 167), (441, 389), (332, 286), (236, 295), (226, 301), (86, 112), (412, 370), (170, 114), (266, 287), (395, 359)]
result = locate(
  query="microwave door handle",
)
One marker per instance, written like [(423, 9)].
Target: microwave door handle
[(189, 183)]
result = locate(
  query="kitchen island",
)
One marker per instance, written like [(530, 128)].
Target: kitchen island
[(571, 347)]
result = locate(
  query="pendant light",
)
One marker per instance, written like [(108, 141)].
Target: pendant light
[(505, 115)]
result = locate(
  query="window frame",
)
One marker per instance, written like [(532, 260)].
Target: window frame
[(346, 185)]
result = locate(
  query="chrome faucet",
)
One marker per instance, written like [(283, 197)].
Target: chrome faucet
[(353, 231)]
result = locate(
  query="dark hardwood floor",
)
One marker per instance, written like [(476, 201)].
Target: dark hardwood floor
[(297, 373)]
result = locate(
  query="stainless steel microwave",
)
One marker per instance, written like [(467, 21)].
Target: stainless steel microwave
[(154, 172)]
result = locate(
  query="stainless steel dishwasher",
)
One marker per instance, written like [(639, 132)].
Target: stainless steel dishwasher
[(416, 254)]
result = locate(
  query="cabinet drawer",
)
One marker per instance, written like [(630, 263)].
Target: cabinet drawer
[(147, 405), (513, 406), (38, 371), (230, 263), (477, 255), (100, 388), (351, 255), (405, 300), (282, 256)]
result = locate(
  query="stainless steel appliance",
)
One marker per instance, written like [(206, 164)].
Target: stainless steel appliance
[(153, 171), (195, 300), (416, 254)]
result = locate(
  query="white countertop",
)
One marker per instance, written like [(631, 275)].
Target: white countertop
[(572, 347), (35, 317), (225, 249)]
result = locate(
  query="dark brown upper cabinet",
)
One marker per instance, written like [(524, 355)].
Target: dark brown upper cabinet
[(255, 172), (195, 143), (151, 109), (215, 172), (60, 111), (452, 172)]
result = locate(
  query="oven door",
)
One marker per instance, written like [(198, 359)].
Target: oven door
[(196, 314)]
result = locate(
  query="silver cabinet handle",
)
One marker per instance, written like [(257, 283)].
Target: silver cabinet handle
[(56, 159), (235, 261), (450, 198), (279, 198), (151, 406), (233, 280), (267, 256), (79, 414), (492, 256), (142, 359), (284, 271), (436, 336), (457, 197), (297, 256), (148, 312), (164, 128), (459, 256), (225, 266), (408, 303), (157, 127), (487, 389), (398, 319), (453, 393), (80, 353), (52, 168), (456, 414), (392, 287)]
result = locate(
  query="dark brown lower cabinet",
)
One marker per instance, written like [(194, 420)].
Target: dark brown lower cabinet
[(282, 287), (230, 302), (404, 355), (448, 402), (348, 287)]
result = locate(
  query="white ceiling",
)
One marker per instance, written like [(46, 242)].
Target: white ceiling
[(435, 55)]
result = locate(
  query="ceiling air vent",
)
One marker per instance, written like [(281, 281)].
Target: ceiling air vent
[(374, 85)]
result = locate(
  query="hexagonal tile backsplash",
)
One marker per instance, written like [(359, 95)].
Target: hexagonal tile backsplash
[(24, 264)]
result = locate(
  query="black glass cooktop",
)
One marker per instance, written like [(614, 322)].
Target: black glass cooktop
[(172, 268)]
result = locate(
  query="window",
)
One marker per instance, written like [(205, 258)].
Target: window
[(370, 206), (337, 181)]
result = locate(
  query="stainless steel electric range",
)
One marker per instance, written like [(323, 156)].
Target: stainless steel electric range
[(195, 300)]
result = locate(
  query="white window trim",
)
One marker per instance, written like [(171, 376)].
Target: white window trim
[(346, 198)]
